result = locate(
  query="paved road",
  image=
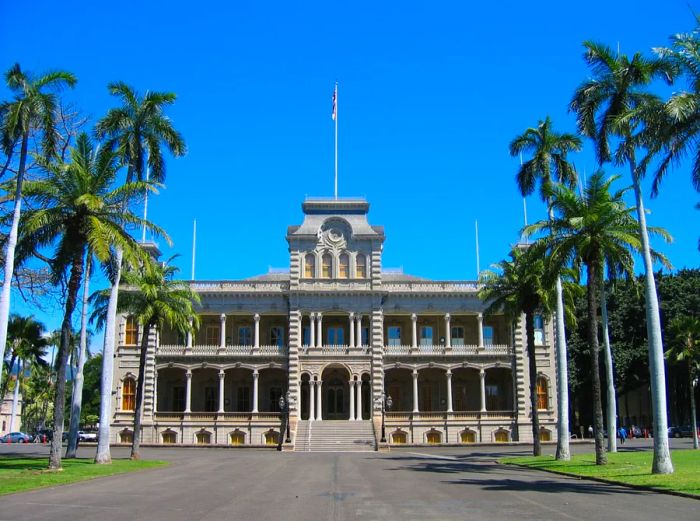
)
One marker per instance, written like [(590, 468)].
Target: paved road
[(408, 484)]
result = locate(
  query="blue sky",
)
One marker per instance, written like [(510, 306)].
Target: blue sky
[(430, 96)]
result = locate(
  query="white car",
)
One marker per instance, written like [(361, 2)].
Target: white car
[(87, 436)]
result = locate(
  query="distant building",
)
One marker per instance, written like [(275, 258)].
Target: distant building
[(6, 414), (333, 334)]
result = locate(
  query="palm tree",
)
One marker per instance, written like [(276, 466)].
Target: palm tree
[(77, 205), (156, 300), (33, 108), (28, 346), (519, 286), (685, 347), (594, 229), (136, 130), (549, 150), (611, 104)]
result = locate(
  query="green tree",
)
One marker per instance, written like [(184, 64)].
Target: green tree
[(519, 286), (32, 109), (684, 335), (156, 300), (549, 163), (613, 104), (137, 132), (595, 229), (77, 205)]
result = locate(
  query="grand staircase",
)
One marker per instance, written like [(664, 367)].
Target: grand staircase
[(334, 436)]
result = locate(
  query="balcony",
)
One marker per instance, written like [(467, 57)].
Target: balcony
[(441, 350), (399, 416), (211, 418), (217, 350), (335, 350)]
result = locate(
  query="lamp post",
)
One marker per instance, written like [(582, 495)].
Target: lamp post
[(285, 403), (385, 402)]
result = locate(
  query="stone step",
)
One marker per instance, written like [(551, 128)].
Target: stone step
[(334, 436)]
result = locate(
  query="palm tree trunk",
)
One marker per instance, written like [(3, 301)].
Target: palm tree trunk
[(103, 455), (610, 384), (66, 332), (77, 399), (15, 396), (693, 411), (662, 463), (13, 358), (10, 251), (532, 365), (136, 440), (591, 283)]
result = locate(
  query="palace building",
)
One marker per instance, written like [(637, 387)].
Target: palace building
[(346, 344)]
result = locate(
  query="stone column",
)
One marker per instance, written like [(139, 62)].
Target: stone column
[(482, 378), (414, 331), (448, 374), (222, 378), (256, 335), (312, 329), (480, 320), (222, 343), (312, 400), (415, 390), (188, 347), (352, 330), (358, 334), (256, 375), (351, 388), (155, 391), (319, 393), (188, 391), (359, 400), (448, 332), (319, 332)]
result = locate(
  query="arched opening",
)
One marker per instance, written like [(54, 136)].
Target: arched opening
[(545, 434), (126, 436), (205, 390), (501, 436), (304, 391), (367, 398), (326, 266), (433, 437), (272, 437), (499, 389), (309, 266), (237, 437), (203, 437), (128, 394), (398, 437), (432, 390), (171, 389), (272, 385), (467, 436), (344, 266), (542, 394), (169, 437), (466, 389), (238, 390), (398, 383), (336, 393)]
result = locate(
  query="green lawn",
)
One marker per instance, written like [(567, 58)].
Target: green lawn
[(18, 474), (632, 468)]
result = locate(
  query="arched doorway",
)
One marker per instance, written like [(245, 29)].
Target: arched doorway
[(336, 394)]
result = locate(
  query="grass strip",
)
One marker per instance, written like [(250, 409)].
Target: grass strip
[(630, 468), (20, 474)]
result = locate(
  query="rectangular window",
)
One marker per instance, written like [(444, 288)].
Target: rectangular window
[(365, 336), (243, 399), (213, 335), (305, 335), (277, 336), (245, 336), (394, 335), (335, 336), (275, 394), (492, 398), (210, 398), (539, 330), (457, 333), (488, 335), (178, 399), (131, 332), (426, 335)]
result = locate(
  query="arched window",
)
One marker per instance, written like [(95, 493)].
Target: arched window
[(169, 437), (467, 436), (326, 266), (131, 332), (545, 435), (237, 437), (433, 437), (309, 266), (501, 436), (344, 266), (542, 395), (126, 437), (361, 265), (398, 438), (129, 395), (272, 438), (203, 438)]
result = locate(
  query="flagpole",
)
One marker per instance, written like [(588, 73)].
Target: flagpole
[(194, 242), (335, 99), (476, 229)]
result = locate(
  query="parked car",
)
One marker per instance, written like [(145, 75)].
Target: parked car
[(16, 437), (635, 432), (680, 431), (87, 436), (41, 435)]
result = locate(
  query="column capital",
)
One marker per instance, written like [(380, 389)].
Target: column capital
[(447, 317), (414, 317), (256, 317), (223, 317), (188, 373), (415, 373), (482, 373), (256, 373), (480, 316), (448, 373), (351, 314), (319, 315), (222, 373), (312, 315)]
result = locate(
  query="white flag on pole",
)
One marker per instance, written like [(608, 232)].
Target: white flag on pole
[(335, 108)]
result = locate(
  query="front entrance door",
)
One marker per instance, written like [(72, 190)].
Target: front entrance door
[(335, 401)]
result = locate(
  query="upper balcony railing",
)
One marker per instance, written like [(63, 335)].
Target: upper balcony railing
[(430, 286), (335, 350), (217, 350), (441, 350)]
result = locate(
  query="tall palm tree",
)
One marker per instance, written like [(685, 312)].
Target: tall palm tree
[(155, 299), (594, 229), (611, 105), (32, 108), (137, 132), (27, 343), (685, 347), (78, 205), (519, 287), (549, 163)]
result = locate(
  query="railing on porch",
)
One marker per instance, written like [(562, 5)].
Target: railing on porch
[(336, 350), (455, 350), (442, 415), (214, 417), (217, 350)]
